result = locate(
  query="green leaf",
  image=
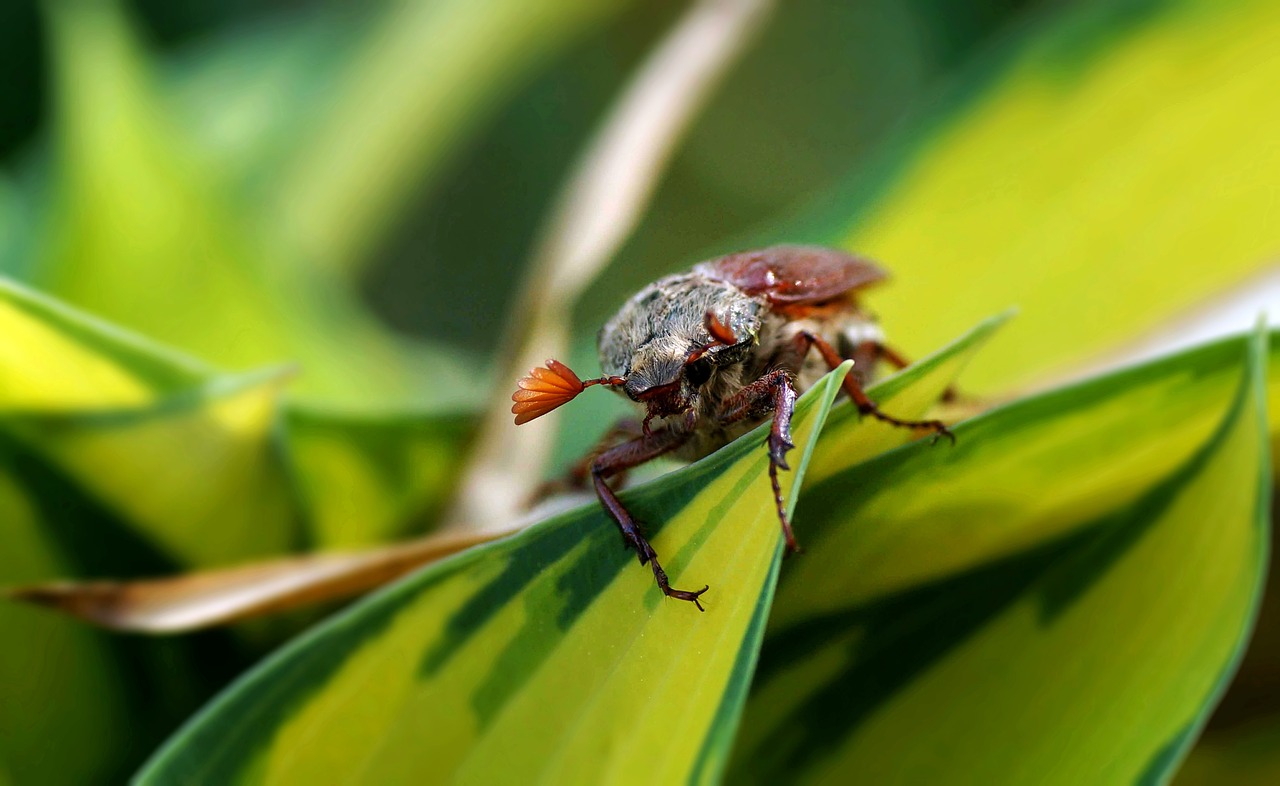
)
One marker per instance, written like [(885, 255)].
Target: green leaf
[(132, 200), (1057, 442), (1061, 598), (64, 686), (197, 474), (419, 79), (183, 455), (57, 358), (336, 120), (442, 677), (1021, 189), (118, 458), (245, 94), (12, 213), (849, 438), (60, 682), (368, 479)]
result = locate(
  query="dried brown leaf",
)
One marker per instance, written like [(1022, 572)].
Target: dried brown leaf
[(217, 597)]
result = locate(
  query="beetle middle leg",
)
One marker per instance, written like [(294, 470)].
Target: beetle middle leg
[(866, 355), (577, 477), (774, 392), (621, 458), (860, 398)]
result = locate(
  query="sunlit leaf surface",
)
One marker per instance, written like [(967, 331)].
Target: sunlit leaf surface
[(1105, 168), (186, 456), (55, 358), (550, 655), (1060, 598)]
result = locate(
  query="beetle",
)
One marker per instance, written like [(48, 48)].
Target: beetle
[(710, 354)]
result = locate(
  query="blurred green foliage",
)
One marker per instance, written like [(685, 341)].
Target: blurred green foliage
[(264, 254)]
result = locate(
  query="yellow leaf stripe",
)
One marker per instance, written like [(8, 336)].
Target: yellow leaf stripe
[(54, 358), (1105, 169)]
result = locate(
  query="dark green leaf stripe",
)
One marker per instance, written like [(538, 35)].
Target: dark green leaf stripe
[(943, 651), (548, 655)]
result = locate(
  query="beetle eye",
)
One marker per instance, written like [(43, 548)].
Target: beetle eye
[(698, 372)]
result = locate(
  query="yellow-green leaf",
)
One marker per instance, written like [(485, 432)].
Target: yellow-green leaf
[(449, 675), (1059, 599), (55, 358), (849, 438), (1071, 455), (60, 681), (197, 474), (117, 458), (185, 456), (1108, 167), (368, 479), (132, 200)]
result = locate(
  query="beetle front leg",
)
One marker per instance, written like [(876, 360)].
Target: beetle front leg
[(776, 393), (620, 459)]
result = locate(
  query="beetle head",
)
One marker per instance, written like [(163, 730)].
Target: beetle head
[(665, 375)]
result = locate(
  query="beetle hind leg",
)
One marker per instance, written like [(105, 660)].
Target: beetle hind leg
[(939, 429), (865, 405), (868, 353)]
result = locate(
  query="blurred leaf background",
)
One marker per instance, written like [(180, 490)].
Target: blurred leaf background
[(303, 225)]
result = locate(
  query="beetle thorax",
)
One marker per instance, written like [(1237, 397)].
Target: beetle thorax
[(649, 339)]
